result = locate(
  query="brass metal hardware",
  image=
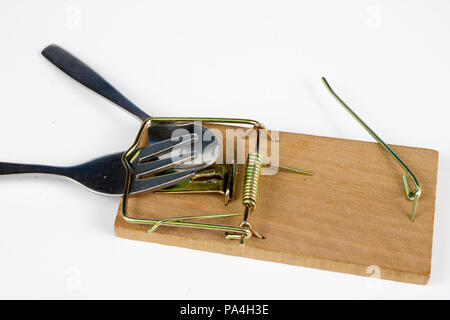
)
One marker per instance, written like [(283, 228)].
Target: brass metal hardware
[(250, 190), (218, 178)]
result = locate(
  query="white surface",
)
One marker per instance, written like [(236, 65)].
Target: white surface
[(253, 59)]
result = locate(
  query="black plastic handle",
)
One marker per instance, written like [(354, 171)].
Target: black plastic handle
[(82, 73)]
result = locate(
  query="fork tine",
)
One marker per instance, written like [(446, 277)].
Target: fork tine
[(155, 166), (158, 182), (152, 150)]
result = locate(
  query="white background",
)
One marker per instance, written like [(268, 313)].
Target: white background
[(250, 59)]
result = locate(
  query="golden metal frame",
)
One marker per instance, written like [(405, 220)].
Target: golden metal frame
[(243, 231)]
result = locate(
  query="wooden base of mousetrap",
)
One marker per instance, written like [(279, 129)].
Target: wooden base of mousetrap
[(352, 216)]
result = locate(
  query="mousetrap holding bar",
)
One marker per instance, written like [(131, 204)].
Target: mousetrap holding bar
[(202, 183)]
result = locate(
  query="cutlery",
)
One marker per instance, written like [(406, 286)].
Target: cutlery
[(106, 174)]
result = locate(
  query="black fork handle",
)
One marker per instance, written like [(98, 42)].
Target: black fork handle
[(18, 168), (82, 73)]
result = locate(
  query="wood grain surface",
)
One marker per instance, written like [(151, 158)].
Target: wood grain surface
[(352, 214)]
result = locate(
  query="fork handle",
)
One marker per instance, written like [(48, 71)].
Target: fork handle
[(18, 168), (79, 71)]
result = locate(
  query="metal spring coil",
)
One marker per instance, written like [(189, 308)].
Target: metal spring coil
[(251, 179)]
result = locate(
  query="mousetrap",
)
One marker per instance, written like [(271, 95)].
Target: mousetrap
[(232, 186), (333, 204)]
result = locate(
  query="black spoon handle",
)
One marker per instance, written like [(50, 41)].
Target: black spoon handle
[(82, 73), (17, 168)]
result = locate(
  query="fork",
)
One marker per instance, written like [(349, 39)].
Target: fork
[(106, 175), (83, 74)]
